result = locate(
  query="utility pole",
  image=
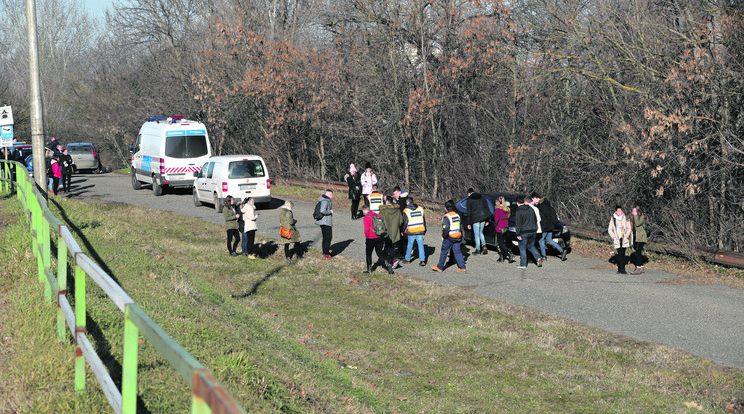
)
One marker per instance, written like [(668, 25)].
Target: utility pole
[(37, 107)]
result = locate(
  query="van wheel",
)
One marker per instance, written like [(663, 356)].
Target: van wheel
[(217, 204), (157, 189), (197, 202), (136, 184)]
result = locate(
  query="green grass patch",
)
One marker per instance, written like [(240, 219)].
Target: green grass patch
[(318, 336)]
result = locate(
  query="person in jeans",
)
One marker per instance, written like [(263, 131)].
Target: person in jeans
[(326, 222), (451, 238), (414, 223), (526, 229), (548, 223), (232, 226), (478, 214)]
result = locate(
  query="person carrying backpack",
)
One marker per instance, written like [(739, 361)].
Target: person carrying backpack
[(323, 216), (374, 229)]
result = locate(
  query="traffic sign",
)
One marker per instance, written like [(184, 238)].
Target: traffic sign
[(6, 136), (6, 115)]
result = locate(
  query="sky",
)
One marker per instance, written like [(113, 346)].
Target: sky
[(97, 7)]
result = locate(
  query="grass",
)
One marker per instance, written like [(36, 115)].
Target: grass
[(318, 336)]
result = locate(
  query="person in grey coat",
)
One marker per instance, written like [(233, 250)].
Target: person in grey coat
[(326, 222)]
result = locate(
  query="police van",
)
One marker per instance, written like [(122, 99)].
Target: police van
[(167, 153)]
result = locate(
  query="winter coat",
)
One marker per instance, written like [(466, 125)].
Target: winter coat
[(249, 217), (640, 225), (56, 169), (537, 217), (369, 226), (525, 220), (231, 221), (325, 209), (548, 215), (393, 218), (355, 186), (501, 218), (368, 180), (619, 230), (477, 209), (286, 219), (66, 161)]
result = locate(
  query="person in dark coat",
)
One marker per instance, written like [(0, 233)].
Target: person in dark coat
[(355, 191), (67, 166), (477, 216), (231, 226), (526, 229), (549, 222), (287, 220)]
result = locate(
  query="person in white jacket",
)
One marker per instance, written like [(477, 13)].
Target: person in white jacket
[(619, 229), (248, 210), (368, 179)]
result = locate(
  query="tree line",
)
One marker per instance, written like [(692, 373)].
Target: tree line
[(588, 103)]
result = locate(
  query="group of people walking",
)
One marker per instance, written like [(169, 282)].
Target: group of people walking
[(628, 232)]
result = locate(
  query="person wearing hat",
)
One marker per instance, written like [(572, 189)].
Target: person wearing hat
[(368, 179), (355, 191)]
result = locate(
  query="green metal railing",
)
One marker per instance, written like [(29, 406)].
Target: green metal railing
[(207, 395)]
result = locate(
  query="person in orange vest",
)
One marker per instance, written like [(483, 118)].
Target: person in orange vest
[(451, 237), (375, 199), (414, 224)]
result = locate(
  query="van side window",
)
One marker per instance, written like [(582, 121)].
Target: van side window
[(210, 171), (203, 171)]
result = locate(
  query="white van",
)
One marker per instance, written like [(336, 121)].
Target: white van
[(168, 152), (240, 176)]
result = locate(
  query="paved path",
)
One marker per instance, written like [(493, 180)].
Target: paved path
[(707, 321)]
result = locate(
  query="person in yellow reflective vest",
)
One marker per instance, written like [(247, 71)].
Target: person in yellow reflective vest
[(414, 223), (375, 199), (451, 237)]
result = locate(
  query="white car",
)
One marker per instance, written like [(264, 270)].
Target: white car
[(240, 176)]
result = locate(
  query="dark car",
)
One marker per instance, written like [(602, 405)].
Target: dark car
[(561, 234), (21, 151), (84, 157)]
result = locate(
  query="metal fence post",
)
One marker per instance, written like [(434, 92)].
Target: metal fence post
[(62, 283), (129, 365), (79, 327)]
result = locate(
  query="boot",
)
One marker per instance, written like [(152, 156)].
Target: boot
[(638, 270), (511, 257), (369, 270), (501, 257)]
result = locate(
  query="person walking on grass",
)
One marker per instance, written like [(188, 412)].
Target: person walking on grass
[(639, 239), (287, 220), (248, 210), (526, 229), (232, 226), (620, 229), (414, 223), (451, 238), (393, 218), (477, 216), (326, 222), (373, 241)]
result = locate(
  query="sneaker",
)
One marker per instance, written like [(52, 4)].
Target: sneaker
[(395, 264), (436, 269), (327, 257), (233, 254), (539, 262), (521, 267), (563, 255), (461, 270), (544, 259), (476, 252), (484, 251), (251, 256), (404, 261), (422, 263), (638, 270), (288, 259)]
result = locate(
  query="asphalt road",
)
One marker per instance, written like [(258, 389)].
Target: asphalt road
[(707, 321)]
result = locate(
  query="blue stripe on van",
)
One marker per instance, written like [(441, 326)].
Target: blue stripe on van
[(196, 132), (170, 133)]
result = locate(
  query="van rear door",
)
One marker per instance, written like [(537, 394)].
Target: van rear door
[(247, 178)]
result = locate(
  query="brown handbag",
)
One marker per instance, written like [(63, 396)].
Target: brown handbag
[(284, 232)]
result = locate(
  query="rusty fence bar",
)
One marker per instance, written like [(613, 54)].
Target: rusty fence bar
[(207, 395)]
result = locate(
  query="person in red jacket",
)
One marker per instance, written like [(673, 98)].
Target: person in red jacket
[(374, 242)]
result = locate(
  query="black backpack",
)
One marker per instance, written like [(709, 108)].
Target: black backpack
[(317, 215)]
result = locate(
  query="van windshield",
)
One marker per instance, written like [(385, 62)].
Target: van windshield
[(186, 146), (246, 169)]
